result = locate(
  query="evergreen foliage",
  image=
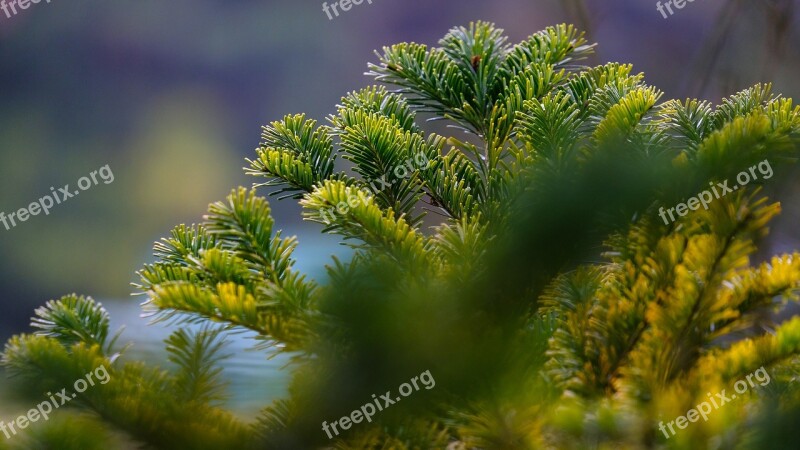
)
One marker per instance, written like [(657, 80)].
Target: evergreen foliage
[(551, 304)]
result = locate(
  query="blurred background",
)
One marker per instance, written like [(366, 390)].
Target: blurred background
[(172, 95)]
